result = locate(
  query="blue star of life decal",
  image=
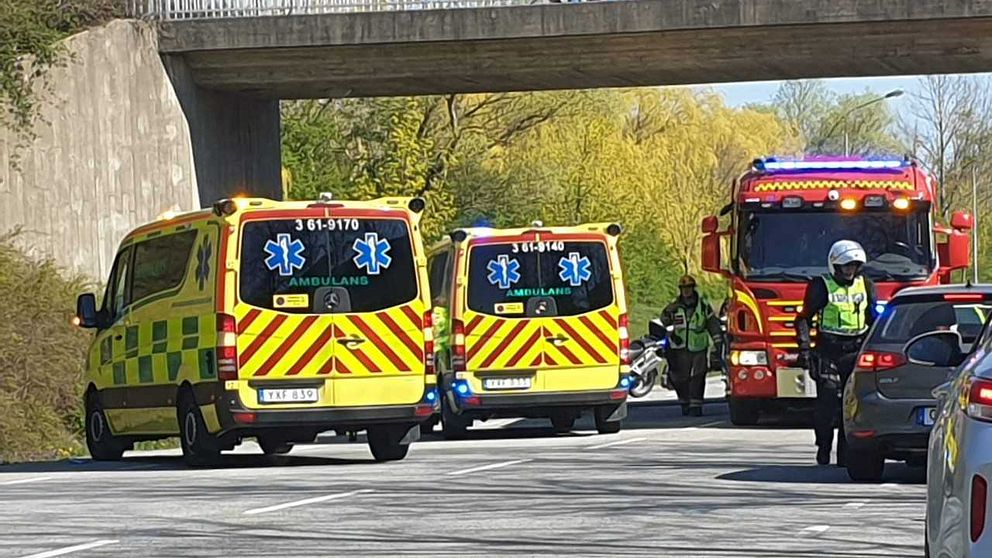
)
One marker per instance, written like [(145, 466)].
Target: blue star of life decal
[(503, 271), (574, 270), (285, 254), (372, 253)]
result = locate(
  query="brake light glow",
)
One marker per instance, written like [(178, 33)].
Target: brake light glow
[(979, 501), (874, 361), (429, 342), (227, 347), (964, 297), (458, 346), (980, 399), (624, 339)]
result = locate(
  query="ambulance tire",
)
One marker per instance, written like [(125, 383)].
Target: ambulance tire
[(103, 445), (453, 426), (604, 426), (274, 445), (384, 441), (563, 421), (200, 449), (743, 413)]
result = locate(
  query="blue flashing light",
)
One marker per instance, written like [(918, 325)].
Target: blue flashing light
[(461, 387), (625, 382), (431, 395), (880, 306), (874, 164)]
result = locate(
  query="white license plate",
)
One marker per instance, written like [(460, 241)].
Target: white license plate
[(926, 416), (294, 395), (506, 383)]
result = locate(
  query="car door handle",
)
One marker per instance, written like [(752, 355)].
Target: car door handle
[(351, 342)]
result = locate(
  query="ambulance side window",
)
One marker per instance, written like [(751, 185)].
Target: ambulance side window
[(160, 264), (117, 297), (436, 267)]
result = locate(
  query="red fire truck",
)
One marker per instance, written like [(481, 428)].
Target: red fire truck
[(783, 217)]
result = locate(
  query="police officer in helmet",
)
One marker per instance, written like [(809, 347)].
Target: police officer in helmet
[(842, 302), (693, 324)]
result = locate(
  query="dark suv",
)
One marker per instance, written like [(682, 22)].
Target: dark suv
[(888, 406)]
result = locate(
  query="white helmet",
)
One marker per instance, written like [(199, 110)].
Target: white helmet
[(845, 252)]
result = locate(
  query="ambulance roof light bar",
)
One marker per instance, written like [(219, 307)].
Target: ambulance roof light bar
[(772, 164)]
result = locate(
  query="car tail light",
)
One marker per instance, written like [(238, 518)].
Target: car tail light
[(624, 339), (980, 399), (458, 346), (429, 342), (874, 361), (979, 495), (227, 347), (964, 297)]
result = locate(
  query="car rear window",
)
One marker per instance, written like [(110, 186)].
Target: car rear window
[(902, 322), (329, 265), (509, 278)]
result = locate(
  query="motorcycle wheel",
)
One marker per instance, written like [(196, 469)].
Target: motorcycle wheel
[(643, 386)]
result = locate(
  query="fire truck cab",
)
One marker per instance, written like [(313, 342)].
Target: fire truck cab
[(782, 218)]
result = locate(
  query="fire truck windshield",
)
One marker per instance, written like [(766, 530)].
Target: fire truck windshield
[(793, 246)]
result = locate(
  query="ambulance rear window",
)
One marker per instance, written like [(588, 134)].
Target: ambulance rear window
[(329, 265), (504, 278)]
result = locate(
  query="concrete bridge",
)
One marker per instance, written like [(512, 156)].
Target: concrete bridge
[(182, 109)]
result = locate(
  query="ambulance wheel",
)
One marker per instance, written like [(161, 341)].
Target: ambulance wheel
[(274, 445), (200, 449), (604, 426), (103, 445), (384, 441), (563, 422), (743, 413), (453, 426)]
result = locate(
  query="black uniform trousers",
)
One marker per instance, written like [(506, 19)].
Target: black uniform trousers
[(687, 370), (832, 365)]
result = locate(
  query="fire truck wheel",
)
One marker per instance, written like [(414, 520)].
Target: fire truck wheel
[(103, 445), (743, 413)]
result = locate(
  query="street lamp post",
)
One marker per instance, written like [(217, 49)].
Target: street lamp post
[(844, 118)]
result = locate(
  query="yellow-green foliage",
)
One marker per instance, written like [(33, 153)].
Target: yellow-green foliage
[(41, 358)]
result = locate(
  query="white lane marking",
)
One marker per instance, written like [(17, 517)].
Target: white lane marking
[(617, 443), (814, 530), (488, 467), (71, 549), (854, 505), (24, 481), (297, 503)]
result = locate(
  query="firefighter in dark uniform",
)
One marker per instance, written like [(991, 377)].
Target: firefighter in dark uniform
[(843, 302), (693, 324)]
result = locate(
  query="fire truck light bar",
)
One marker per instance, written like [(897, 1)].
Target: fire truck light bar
[(772, 165)]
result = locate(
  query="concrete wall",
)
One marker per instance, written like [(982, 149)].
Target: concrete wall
[(114, 149)]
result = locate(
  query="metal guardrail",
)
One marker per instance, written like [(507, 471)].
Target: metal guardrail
[(211, 9)]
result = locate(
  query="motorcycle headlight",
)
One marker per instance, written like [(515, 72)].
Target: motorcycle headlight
[(749, 358)]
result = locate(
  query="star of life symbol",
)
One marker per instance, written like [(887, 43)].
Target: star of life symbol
[(503, 271), (372, 253), (285, 254), (574, 270)]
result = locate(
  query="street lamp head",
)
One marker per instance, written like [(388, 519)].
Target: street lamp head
[(893, 94)]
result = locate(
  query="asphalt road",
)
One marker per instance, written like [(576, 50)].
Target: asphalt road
[(665, 486)]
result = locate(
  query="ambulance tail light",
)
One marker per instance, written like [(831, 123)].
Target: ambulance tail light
[(458, 346), (624, 339), (429, 342), (227, 347)]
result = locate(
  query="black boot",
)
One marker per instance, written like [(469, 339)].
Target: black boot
[(823, 455)]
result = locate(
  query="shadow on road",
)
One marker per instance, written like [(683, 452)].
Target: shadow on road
[(896, 473), (170, 463)]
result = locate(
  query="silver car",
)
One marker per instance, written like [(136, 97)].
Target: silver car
[(959, 464)]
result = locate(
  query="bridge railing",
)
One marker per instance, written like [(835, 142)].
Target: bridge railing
[(208, 9)]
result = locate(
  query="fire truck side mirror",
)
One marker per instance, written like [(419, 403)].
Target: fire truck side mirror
[(962, 221), (710, 224), (711, 253), (958, 254)]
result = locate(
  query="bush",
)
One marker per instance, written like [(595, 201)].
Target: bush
[(42, 358)]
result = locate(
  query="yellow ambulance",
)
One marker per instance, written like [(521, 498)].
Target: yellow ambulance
[(264, 319), (530, 322)]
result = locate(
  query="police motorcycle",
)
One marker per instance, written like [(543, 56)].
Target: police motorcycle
[(648, 361)]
